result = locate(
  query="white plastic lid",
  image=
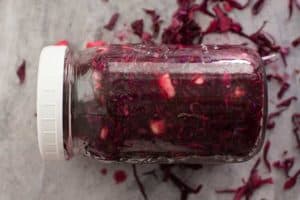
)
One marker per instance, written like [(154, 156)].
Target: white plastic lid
[(50, 102)]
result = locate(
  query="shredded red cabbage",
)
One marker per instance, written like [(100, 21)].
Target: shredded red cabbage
[(235, 4), (296, 42), (283, 89), (156, 21), (291, 182), (21, 72), (257, 7), (92, 44), (270, 122), (265, 155), (286, 165), (284, 86), (112, 22), (291, 8), (184, 29), (227, 7), (254, 182), (296, 124), (291, 4), (287, 102), (138, 27), (224, 21), (203, 8), (62, 43), (276, 77)]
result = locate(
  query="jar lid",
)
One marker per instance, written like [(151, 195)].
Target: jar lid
[(50, 102)]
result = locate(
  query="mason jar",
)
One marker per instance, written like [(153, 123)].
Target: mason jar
[(141, 103)]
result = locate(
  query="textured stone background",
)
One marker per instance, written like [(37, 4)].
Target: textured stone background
[(27, 26)]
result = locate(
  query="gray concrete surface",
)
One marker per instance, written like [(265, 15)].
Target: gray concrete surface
[(27, 26)]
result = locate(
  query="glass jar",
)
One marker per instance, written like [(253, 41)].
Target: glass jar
[(142, 103)]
